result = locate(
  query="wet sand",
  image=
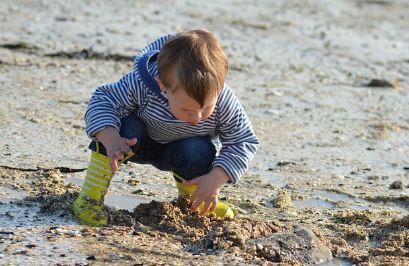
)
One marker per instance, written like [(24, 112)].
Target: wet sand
[(328, 185)]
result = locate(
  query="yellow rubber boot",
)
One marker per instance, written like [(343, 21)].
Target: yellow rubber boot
[(223, 209), (89, 206)]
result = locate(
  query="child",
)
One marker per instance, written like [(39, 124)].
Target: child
[(167, 112)]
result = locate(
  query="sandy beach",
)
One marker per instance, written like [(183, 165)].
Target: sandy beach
[(325, 84)]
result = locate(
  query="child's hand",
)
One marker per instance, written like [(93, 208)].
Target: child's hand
[(208, 188), (117, 149), (116, 146)]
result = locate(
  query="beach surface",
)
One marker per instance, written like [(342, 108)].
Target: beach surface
[(325, 84)]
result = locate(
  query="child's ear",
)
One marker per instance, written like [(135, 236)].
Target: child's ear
[(162, 88)]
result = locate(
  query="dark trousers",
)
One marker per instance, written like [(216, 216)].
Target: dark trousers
[(189, 158)]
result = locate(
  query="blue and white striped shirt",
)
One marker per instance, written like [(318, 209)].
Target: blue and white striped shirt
[(138, 93)]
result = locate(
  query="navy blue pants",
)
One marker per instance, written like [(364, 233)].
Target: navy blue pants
[(189, 158)]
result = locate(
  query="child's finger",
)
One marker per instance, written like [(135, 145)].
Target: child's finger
[(196, 204), (126, 150), (206, 207), (119, 155), (214, 203), (194, 196), (113, 163), (131, 142)]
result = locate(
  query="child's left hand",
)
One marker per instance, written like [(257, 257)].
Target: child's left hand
[(208, 188)]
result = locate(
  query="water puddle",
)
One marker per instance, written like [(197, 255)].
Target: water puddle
[(75, 180), (336, 262), (123, 202), (333, 196), (10, 195), (115, 201), (24, 214), (326, 200), (313, 203)]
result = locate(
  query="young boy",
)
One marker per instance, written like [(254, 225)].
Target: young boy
[(167, 112)]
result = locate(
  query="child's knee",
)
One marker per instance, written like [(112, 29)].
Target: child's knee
[(198, 151), (132, 127)]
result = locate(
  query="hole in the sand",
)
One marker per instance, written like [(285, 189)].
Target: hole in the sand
[(312, 203), (123, 202), (333, 196), (336, 262)]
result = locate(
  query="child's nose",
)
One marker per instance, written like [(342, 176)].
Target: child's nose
[(195, 118)]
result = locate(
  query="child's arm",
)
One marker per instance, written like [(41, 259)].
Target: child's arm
[(239, 143), (106, 107), (110, 103)]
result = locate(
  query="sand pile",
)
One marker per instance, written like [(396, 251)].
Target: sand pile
[(254, 241)]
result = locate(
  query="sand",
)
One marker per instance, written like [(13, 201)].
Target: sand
[(325, 84)]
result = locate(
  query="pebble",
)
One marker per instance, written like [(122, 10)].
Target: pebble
[(284, 163), (373, 177), (384, 83), (396, 185)]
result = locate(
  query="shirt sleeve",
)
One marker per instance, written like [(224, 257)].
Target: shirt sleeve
[(110, 103), (239, 143)]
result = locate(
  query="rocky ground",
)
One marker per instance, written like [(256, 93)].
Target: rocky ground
[(325, 84)]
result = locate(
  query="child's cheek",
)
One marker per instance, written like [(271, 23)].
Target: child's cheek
[(178, 115)]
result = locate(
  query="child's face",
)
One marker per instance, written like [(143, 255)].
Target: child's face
[(185, 108)]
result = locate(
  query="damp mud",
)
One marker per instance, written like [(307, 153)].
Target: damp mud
[(325, 84)]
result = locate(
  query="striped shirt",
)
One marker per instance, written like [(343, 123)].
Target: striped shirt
[(138, 93)]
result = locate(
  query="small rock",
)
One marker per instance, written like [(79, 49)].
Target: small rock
[(86, 231), (302, 246), (6, 233), (138, 191), (133, 182), (284, 163), (283, 200), (396, 185), (373, 177), (384, 83), (73, 232), (92, 257)]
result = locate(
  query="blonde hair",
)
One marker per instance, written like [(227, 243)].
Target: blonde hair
[(198, 63)]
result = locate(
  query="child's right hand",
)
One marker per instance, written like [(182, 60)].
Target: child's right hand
[(116, 146)]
